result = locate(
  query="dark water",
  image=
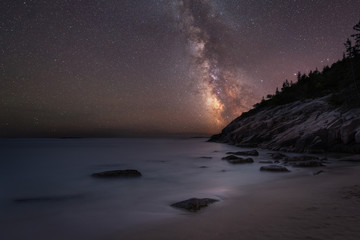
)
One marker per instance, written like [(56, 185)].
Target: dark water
[(47, 191)]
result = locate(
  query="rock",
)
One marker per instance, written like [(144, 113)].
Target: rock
[(319, 142), (348, 130), (245, 153), (118, 173), (231, 157), (318, 172), (311, 125), (203, 167), (308, 164), (266, 161), (277, 156), (357, 136), (274, 168), (206, 157), (241, 160), (354, 158), (300, 158), (351, 192), (194, 204), (235, 160)]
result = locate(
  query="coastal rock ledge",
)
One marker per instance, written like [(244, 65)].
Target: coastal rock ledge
[(312, 126)]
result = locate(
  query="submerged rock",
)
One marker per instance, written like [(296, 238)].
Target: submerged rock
[(274, 168), (231, 157), (351, 192), (241, 160), (245, 153), (277, 156), (308, 164), (118, 173), (265, 161), (318, 172), (354, 158), (235, 160), (301, 158), (194, 204)]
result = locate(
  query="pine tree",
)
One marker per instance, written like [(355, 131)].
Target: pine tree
[(349, 48), (356, 36), (285, 85), (298, 76)]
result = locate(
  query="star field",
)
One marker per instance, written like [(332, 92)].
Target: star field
[(155, 67)]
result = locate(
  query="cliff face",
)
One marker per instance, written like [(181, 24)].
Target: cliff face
[(309, 126)]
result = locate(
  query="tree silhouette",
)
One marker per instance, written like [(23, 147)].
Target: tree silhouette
[(349, 48), (356, 36), (340, 81)]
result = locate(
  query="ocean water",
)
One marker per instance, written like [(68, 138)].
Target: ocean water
[(47, 192)]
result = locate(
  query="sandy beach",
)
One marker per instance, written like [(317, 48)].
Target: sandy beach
[(324, 206)]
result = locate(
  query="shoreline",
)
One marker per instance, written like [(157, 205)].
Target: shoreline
[(325, 206)]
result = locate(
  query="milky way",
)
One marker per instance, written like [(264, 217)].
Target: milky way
[(155, 67), (220, 83)]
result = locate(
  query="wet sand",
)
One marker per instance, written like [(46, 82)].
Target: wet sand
[(324, 206)]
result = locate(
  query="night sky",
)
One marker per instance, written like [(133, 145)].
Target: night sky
[(155, 67)]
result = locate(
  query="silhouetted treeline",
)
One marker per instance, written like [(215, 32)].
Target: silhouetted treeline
[(341, 81)]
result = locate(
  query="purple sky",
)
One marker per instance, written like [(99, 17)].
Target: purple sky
[(155, 67)]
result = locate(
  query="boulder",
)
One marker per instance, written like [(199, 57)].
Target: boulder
[(274, 168), (245, 153), (348, 130), (357, 136), (319, 143), (194, 204), (117, 173)]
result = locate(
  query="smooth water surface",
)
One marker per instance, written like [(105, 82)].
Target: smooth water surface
[(47, 191)]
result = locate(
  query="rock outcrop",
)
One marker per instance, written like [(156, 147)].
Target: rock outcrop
[(312, 126)]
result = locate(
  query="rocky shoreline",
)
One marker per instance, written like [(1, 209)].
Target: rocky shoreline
[(312, 126), (302, 207)]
